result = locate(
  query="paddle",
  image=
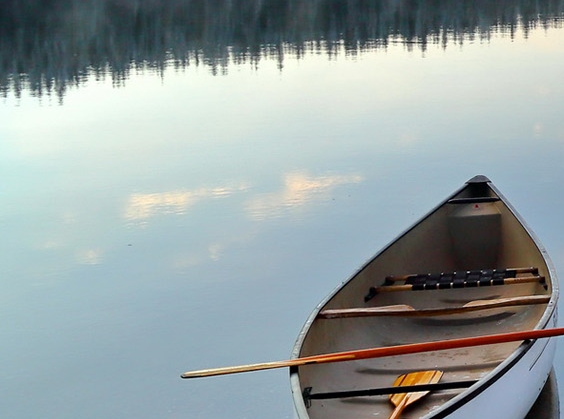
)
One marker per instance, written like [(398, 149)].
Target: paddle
[(383, 352), (402, 400)]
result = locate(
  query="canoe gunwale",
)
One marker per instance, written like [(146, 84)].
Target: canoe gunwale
[(548, 316)]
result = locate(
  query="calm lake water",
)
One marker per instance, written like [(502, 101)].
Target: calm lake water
[(183, 182)]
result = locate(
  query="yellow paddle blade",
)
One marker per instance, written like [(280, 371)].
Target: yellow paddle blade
[(411, 379)]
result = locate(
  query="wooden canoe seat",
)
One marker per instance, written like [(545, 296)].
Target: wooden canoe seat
[(457, 279), (402, 310)]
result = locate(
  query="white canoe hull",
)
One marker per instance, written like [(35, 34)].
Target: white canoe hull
[(513, 394), (474, 228)]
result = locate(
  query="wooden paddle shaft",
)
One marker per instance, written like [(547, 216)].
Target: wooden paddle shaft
[(383, 352), (399, 408)]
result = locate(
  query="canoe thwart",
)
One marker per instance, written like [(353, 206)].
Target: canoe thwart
[(457, 279), (373, 291), (383, 391), (408, 311), (474, 200)]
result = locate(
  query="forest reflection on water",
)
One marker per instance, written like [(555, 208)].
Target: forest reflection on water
[(47, 46), (180, 220)]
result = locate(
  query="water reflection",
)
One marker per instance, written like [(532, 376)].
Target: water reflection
[(299, 189), (142, 206), (48, 46), (90, 257)]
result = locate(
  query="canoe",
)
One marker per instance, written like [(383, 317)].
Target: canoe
[(547, 405), (469, 268)]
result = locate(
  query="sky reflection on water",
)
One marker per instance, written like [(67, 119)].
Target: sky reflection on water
[(184, 220)]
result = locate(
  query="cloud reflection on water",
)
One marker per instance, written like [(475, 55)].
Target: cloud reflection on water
[(299, 193), (299, 189), (142, 206), (90, 257)]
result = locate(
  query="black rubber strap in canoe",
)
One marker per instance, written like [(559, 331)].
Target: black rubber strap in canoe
[(458, 279), (308, 395)]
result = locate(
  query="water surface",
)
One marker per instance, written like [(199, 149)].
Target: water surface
[(183, 183)]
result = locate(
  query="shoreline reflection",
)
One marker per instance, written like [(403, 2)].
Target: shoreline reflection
[(49, 47)]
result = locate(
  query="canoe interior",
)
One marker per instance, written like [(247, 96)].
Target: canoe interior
[(462, 235)]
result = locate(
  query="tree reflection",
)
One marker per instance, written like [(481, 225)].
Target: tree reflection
[(46, 46)]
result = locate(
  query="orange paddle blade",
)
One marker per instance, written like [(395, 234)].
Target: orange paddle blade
[(402, 400)]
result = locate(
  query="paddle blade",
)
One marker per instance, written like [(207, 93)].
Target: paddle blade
[(414, 378)]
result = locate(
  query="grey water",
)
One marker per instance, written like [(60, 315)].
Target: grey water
[(183, 181)]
